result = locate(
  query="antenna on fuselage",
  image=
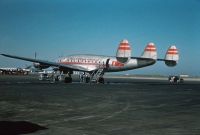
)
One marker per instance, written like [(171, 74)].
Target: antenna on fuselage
[(35, 55)]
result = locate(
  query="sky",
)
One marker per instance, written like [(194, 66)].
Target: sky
[(55, 28)]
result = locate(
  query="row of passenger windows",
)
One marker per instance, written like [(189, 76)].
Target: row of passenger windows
[(79, 60)]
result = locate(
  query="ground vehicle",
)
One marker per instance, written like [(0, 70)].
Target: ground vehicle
[(44, 76), (175, 79)]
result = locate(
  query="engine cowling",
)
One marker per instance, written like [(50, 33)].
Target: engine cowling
[(123, 54), (40, 66)]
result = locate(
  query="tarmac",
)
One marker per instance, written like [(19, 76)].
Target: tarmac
[(130, 107)]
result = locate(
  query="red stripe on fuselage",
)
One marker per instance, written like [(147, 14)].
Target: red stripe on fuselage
[(114, 63)]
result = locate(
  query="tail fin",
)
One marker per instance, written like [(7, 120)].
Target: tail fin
[(172, 56), (124, 51), (150, 51)]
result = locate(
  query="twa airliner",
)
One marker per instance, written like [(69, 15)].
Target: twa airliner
[(96, 65)]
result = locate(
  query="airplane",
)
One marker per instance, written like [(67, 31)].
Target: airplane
[(96, 65), (14, 71)]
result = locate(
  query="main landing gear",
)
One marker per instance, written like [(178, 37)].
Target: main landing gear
[(95, 77), (100, 80), (84, 78), (68, 79), (60, 76), (91, 78)]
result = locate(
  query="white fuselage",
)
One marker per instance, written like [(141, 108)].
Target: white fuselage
[(110, 63)]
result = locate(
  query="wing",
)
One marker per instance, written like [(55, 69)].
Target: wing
[(54, 64), (141, 58)]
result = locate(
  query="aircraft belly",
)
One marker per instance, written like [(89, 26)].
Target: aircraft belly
[(88, 67)]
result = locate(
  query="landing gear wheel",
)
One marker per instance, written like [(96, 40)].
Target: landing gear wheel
[(68, 80), (56, 78), (87, 79), (101, 80)]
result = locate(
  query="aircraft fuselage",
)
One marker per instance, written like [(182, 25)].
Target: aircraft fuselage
[(109, 63)]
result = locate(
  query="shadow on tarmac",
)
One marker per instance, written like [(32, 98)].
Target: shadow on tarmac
[(19, 127)]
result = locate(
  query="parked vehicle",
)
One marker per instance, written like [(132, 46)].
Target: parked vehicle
[(175, 79)]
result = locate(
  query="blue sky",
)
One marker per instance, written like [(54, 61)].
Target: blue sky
[(56, 28)]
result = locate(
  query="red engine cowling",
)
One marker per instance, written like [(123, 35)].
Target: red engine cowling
[(40, 66)]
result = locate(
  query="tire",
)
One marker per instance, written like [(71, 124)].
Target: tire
[(101, 80), (68, 80), (87, 79), (56, 79)]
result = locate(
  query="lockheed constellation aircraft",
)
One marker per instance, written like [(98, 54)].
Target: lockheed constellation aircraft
[(96, 65)]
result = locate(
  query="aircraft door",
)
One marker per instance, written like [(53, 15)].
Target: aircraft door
[(107, 63)]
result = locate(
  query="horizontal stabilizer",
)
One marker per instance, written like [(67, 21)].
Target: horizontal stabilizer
[(142, 58)]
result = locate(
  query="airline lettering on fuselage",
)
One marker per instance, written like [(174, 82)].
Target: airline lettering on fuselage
[(117, 64)]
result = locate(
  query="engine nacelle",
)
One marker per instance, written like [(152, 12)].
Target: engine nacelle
[(40, 66), (123, 54)]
